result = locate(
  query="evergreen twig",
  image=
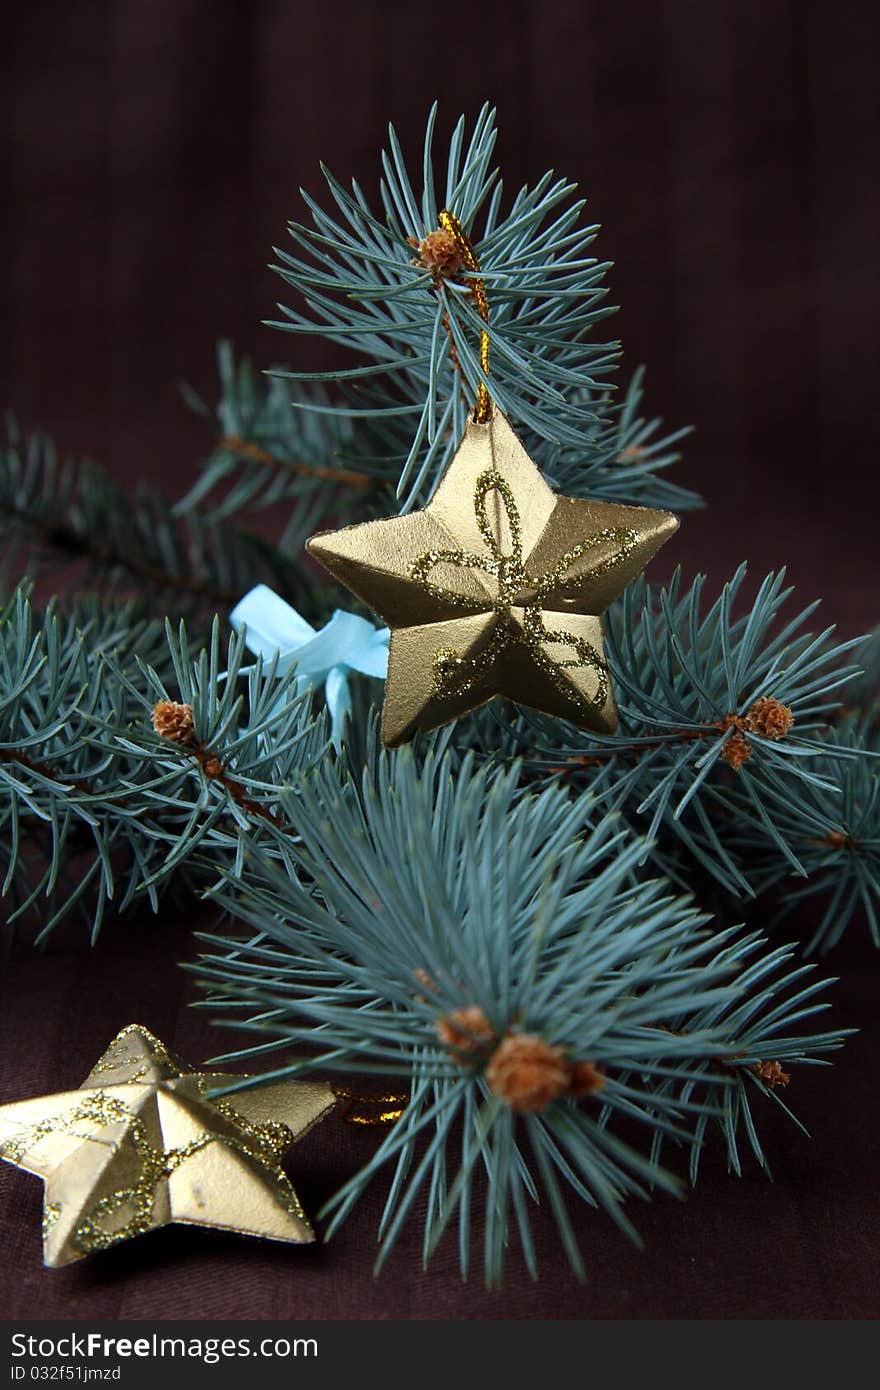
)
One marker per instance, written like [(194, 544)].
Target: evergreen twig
[(496, 892)]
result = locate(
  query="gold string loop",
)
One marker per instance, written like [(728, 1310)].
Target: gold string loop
[(451, 225)]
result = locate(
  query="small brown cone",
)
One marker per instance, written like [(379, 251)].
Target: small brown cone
[(769, 717), (439, 253), (737, 750), (771, 1074), (174, 721), (527, 1073), (465, 1031)]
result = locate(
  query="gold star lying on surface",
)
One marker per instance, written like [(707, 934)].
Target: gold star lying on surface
[(496, 588), (140, 1145)]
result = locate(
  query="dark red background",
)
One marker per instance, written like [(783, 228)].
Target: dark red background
[(150, 154)]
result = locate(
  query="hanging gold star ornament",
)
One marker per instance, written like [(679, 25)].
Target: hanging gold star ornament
[(498, 586), (141, 1145)]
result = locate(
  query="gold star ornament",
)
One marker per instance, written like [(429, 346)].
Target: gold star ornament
[(496, 588), (141, 1145)]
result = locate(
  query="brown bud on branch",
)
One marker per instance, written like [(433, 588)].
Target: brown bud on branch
[(439, 254), (174, 721)]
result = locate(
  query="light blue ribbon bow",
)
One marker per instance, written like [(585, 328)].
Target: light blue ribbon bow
[(346, 643)]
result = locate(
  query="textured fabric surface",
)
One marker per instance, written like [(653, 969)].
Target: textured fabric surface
[(150, 153)]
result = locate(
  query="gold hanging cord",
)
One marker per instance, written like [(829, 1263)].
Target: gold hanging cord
[(450, 224), (359, 1109)]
